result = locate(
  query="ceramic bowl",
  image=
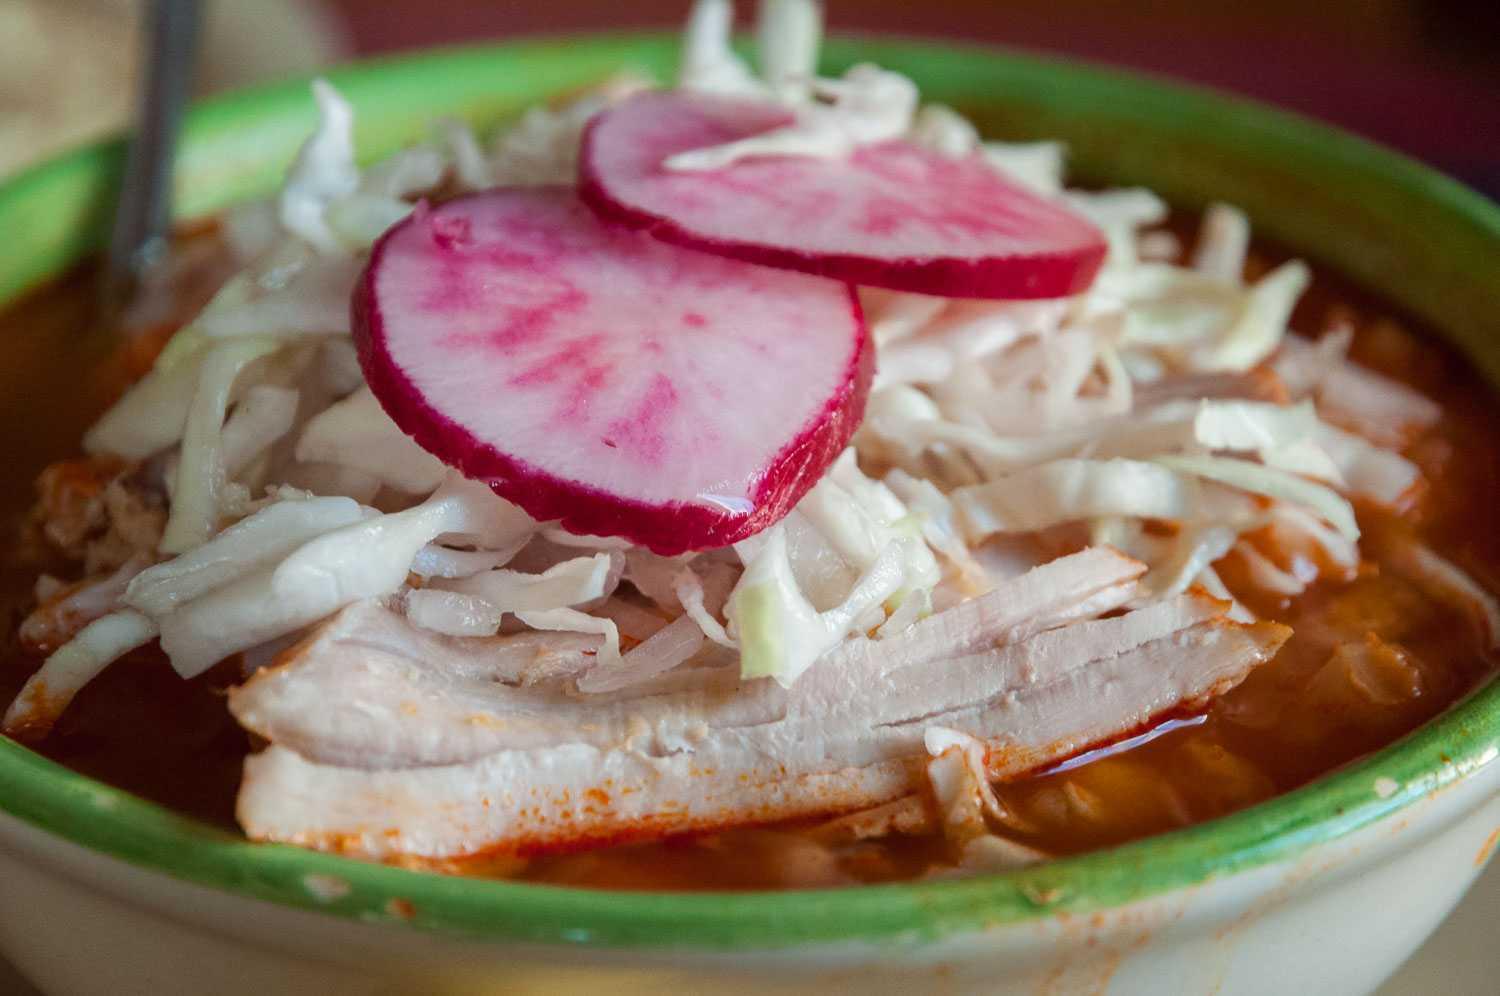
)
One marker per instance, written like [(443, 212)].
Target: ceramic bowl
[(1325, 889)]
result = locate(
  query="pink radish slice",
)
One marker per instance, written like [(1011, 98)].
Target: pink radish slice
[(892, 215), (594, 375)]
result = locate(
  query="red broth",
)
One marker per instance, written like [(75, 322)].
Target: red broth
[(142, 729)]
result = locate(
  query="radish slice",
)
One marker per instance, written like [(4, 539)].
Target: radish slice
[(891, 215), (596, 376)]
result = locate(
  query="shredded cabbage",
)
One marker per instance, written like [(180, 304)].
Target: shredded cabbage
[(47, 692), (967, 804), (689, 591), (1283, 436), (1368, 470), (250, 229), (151, 416), (470, 167), (1252, 425), (1180, 561), (1069, 490), (365, 559), (242, 614), (1266, 574), (359, 219), (1295, 519), (849, 545), (332, 479), (943, 130), (570, 583), (1223, 242), (308, 298), (573, 621), (779, 631), (562, 537), (1214, 585), (435, 561), (200, 469), (667, 648), (868, 105), (790, 33), (373, 557), (1272, 483), (264, 415), (1384, 411), (862, 517), (323, 171), (832, 117), (893, 315), (452, 613), (253, 542), (1037, 165), (1303, 365), (1119, 214), (357, 433), (940, 527), (708, 62), (1262, 323), (405, 174), (542, 148)]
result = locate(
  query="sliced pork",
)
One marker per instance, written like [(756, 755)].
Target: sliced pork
[(577, 793), (849, 735), (372, 690)]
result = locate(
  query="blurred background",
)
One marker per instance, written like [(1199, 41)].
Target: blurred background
[(1420, 75)]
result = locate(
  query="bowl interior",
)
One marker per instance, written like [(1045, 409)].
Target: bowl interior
[(1427, 244)]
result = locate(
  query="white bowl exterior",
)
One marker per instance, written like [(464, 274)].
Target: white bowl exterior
[(1339, 918)]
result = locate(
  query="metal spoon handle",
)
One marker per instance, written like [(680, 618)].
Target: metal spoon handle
[(143, 215)]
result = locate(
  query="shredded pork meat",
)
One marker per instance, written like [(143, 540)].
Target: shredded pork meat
[(99, 511)]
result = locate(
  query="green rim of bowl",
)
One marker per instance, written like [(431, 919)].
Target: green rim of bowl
[(1427, 243)]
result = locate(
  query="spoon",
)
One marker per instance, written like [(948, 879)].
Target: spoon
[(139, 239)]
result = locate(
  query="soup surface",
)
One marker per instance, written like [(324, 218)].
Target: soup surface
[(1372, 657)]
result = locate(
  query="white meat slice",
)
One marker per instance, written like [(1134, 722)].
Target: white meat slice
[(371, 690), (1045, 596), (370, 687), (1054, 705)]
